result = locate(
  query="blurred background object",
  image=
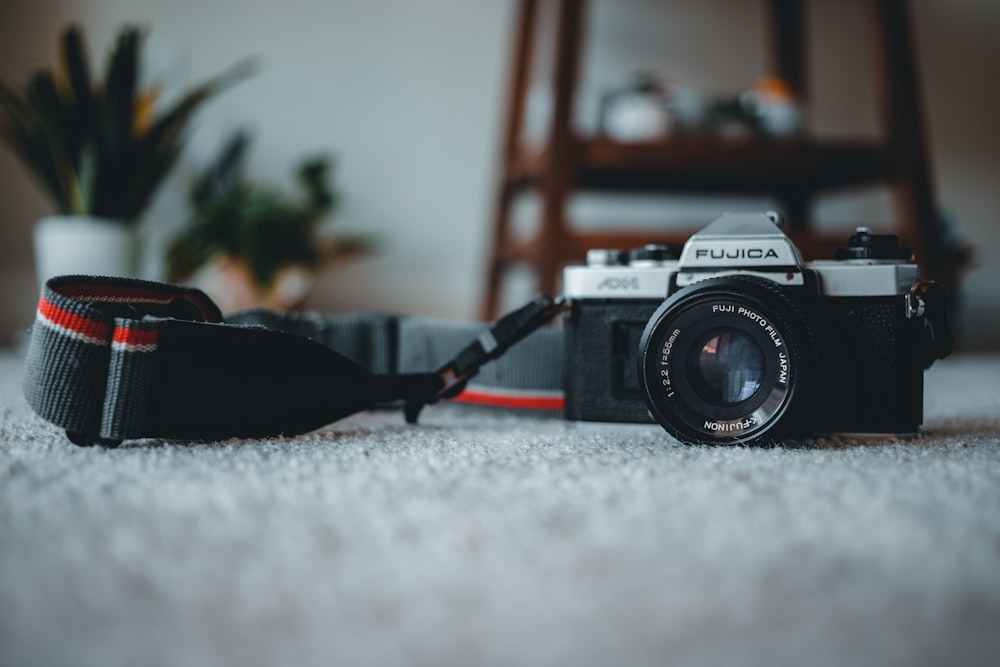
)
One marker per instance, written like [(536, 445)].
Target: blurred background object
[(638, 112), (99, 148), (773, 106), (410, 97), (251, 245), (753, 144)]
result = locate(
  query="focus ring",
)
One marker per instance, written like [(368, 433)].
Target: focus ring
[(740, 308)]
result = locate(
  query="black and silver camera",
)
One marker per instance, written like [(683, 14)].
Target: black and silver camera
[(734, 339)]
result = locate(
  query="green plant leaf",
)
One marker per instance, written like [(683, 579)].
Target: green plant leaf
[(114, 124), (144, 173), (22, 128), (83, 185), (79, 138), (225, 174), (49, 138), (192, 249), (258, 226), (169, 126), (80, 96), (314, 175), (156, 151)]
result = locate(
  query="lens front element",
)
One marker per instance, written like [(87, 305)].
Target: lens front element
[(726, 366), (720, 362)]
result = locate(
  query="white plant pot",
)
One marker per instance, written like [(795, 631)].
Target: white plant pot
[(80, 244)]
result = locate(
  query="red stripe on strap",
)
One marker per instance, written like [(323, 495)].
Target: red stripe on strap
[(136, 337), (510, 400), (97, 332)]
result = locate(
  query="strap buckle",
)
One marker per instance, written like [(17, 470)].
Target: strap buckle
[(490, 344)]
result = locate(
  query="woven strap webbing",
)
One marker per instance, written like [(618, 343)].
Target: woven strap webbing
[(114, 358)]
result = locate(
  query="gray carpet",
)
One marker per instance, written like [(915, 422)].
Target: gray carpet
[(479, 539)]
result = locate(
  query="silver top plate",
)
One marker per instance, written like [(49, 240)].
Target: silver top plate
[(618, 282), (860, 277)]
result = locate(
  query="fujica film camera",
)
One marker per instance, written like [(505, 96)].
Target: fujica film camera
[(734, 339)]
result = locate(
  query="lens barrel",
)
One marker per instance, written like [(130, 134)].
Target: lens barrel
[(721, 362)]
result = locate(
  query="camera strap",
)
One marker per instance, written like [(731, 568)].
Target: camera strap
[(117, 358)]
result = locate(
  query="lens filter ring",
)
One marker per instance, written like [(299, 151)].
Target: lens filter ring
[(720, 362)]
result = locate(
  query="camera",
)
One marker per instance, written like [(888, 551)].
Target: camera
[(734, 339)]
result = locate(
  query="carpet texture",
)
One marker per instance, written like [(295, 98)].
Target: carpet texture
[(483, 539)]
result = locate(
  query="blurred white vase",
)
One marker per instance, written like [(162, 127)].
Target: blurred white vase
[(81, 244)]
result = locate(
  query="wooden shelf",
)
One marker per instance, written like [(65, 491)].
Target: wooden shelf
[(792, 172), (710, 165), (739, 166)]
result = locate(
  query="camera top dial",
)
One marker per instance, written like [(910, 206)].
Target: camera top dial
[(866, 245)]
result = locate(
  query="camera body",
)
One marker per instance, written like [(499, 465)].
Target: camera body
[(735, 339)]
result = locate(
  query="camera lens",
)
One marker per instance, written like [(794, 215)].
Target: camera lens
[(721, 362), (725, 366)]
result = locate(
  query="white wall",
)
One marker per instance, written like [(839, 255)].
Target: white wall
[(408, 95)]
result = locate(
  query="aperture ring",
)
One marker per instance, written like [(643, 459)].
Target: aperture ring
[(672, 340)]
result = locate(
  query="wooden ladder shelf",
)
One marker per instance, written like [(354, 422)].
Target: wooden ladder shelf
[(792, 171)]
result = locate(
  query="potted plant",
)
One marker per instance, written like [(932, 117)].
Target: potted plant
[(251, 245), (99, 150)]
